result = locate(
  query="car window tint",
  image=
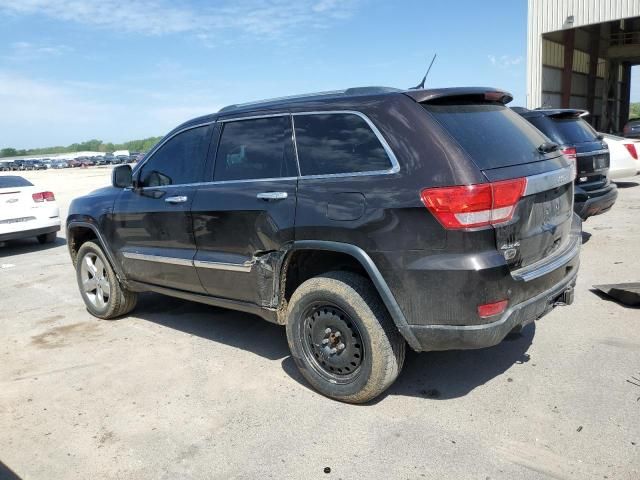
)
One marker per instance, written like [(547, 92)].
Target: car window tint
[(254, 149), (493, 135), (338, 143), (181, 160), (12, 182), (572, 130)]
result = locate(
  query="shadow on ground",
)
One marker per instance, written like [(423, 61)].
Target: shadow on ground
[(586, 236), (27, 245), (6, 473), (237, 329), (436, 375), (609, 298), (627, 184)]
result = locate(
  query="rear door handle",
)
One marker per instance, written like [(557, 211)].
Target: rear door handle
[(177, 199), (272, 196)]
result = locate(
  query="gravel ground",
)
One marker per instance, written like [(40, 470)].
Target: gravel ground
[(179, 390)]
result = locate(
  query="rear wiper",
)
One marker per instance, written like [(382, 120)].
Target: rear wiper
[(548, 147)]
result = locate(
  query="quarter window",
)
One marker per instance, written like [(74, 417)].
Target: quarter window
[(338, 143), (254, 149), (179, 161)]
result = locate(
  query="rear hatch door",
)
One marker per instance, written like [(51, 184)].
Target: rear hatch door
[(505, 146)]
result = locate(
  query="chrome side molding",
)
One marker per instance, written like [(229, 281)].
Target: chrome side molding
[(233, 267), (158, 258)]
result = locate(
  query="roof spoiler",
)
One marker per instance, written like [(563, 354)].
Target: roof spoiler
[(446, 95), (568, 112)]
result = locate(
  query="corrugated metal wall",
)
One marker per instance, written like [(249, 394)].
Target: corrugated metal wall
[(550, 15)]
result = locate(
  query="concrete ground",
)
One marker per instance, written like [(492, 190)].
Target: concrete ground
[(179, 390)]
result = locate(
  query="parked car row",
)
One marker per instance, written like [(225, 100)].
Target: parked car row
[(46, 163)]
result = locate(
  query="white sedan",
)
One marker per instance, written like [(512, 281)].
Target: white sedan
[(27, 211), (624, 156)]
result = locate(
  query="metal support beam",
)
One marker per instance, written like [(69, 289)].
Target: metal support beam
[(594, 48), (569, 43), (625, 95)]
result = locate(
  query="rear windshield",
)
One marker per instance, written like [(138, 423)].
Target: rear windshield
[(493, 135), (13, 181), (566, 130)]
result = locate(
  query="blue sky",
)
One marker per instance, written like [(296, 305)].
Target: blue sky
[(123, 69)]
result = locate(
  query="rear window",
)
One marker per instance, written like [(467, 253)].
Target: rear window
[(566, 130), (13, 182), (493, 135)]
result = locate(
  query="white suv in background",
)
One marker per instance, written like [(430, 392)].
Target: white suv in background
[(27, 211)]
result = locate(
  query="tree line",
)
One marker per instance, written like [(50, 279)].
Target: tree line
[(94, 145)]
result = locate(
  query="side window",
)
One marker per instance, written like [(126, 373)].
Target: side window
[(254, 149), (338, 143), (181, 160)]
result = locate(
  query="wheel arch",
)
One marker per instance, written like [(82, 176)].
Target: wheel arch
[(363, 261), (82, 230)]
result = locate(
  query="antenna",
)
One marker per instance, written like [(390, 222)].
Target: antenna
[(421, 84)]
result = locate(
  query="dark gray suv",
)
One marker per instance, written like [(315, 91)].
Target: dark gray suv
[(364, 220)]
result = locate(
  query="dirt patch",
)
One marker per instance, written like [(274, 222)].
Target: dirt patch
[(51, 319), (57, 337)]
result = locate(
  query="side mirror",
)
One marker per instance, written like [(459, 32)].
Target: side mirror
[(122, 176)]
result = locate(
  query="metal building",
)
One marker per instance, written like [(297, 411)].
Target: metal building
[(580, 54)]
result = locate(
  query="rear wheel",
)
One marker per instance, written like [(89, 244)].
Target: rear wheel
[(342, 339), (47, 237), (100, 288)]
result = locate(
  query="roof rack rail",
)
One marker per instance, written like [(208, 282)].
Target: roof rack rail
[(329, 93)]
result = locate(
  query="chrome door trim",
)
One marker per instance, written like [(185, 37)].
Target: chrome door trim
[(233, 267), (158, 258), (549, 180)]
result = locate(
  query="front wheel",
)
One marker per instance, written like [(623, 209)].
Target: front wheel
[(342, 338), (100, 289)]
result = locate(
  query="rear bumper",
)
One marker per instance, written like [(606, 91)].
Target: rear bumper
[(588, 204), (463, 337), (34, 232)]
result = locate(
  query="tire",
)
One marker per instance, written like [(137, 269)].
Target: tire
[(105, 298), (336, 314), (47, 238)]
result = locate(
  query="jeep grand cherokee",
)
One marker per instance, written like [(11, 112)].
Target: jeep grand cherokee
[(364, 220)]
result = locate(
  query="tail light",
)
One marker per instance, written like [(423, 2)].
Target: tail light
[(632, 150), (491, 309), (43, 197), (572, 155), (469, 206)]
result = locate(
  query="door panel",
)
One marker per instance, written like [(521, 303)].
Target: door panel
[(152, 232), (243, 219), (154, 239), (234, 228)]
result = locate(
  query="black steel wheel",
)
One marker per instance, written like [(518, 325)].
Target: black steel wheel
[(332, 343), (342, 338)]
